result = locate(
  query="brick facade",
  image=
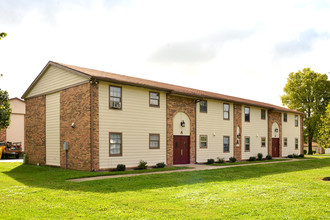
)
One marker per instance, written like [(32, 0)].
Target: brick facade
[(238, 123), (175, 104), (301, 134), (35, 130), (274, 117), (95, 150), (75, 108)]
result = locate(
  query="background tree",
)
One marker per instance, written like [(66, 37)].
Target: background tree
[(5, 109), (324, 132), (308, 92), (2, 35)]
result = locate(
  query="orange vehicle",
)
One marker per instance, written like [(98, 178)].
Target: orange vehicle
[(10, 148)]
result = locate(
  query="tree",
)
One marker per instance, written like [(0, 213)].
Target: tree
[(324, 132), (5, 109), (2, 35), (308, 92)]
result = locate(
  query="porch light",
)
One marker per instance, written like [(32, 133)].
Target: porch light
[(183, 124), (276, 130)]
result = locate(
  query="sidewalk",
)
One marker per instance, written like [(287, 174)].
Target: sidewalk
[(194, 167)]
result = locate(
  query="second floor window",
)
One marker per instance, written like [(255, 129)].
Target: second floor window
[(226, 111), (296, 120), (247, 114), (263, 114), (115, 97), (203, 106), (154, 99), (285, 117)]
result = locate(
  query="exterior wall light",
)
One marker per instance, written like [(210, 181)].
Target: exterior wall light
[(276, 130), (183, 124), (73, 125)]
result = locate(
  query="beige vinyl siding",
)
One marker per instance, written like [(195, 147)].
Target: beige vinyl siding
[(53, 129), (215, 127), (15, 131), (255, 129), (55, 78), (135, 121), (291, 132)]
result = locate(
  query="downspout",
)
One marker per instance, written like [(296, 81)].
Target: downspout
[(92, 82)]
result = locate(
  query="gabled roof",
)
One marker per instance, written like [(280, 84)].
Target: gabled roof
[(173, 89), (18, 99)]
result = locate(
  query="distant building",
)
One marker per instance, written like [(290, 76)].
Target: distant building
[(15, 131), (318, 149)]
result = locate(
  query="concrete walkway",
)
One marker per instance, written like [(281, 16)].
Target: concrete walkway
[(11, 160), (193, 167)]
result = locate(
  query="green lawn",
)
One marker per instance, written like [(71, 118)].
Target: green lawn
[(291, 190)]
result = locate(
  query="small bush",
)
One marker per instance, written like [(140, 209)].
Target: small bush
[(232, 159), (142, 165), (121, 167), (260, 156), (314, 151), (269, 157), (252, 159), (295, 155), (305, 151), (301, 155), (290, 156), (210, 161), (221, 160), (160, 165)]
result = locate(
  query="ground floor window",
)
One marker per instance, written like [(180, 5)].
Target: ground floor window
[(247, 144), (263, 142), (154, 141), (115, 142), (296, 143), (203, 141), (226, 144), (285, 142)]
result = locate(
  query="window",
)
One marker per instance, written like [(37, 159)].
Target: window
[(247, 143), (285, 142), (154, 99), (203, 141), (203, 106), (263, 142), (115, 143), (226, 144), (115, 97), (263, 114), (296, 143), (226, 111), (296, 120), (247, 114), (154, 141), (285, 117)]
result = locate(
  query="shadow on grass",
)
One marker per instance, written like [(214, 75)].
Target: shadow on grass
[(55, 178)]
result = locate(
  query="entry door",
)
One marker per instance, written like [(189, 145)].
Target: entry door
[(181, 149), (275, 147)]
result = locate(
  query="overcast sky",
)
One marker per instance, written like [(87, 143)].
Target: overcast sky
[(239, 48)]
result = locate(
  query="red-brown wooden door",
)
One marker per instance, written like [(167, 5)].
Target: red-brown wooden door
[(275, 147), (181, 149)]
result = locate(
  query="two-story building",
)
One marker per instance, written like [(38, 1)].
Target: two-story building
[(107, 119)]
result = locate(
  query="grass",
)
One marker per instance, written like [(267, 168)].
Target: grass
[(265, 191)]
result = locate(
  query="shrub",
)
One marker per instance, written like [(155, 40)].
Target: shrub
[(290, 156), (295, 155), (210, 161), (314, 151), (260, 156), (252, 159), (301, 155), (142, 165), (160, 165), (221, 160), (305, 151), (269, 157), (121, 167), (232, 159)]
